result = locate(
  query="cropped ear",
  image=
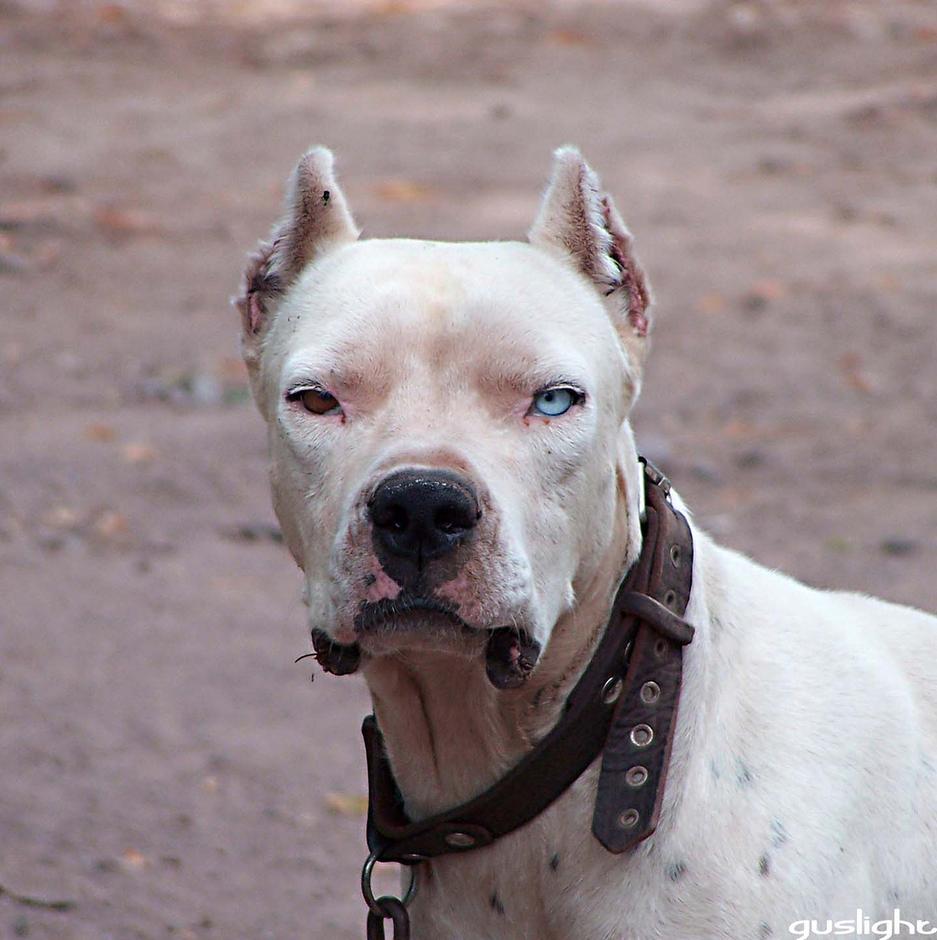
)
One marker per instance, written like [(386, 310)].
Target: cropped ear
[(316, 219), (578, 220)]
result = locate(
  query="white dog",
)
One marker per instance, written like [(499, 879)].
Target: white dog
[(451, 455)]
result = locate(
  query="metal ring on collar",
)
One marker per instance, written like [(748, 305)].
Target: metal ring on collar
[(368, 893)]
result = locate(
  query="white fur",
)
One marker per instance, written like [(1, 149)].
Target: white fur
[(803, 781)]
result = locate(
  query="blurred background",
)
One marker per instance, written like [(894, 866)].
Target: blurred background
[(166, 771)]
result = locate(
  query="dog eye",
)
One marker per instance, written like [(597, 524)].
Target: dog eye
[(317, 401), (553, 402)]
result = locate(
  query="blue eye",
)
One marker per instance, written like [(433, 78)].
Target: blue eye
[(553, 402)]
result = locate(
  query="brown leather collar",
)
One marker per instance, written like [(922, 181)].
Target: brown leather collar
[(623, 707)]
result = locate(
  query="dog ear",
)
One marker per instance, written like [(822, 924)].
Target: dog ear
[(579, 220), (316, 219)]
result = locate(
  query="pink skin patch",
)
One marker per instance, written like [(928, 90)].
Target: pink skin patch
[(255, 313), (632, 277), (383, 587), (459, 590)]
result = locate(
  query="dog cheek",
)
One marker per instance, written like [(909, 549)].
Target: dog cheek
[(287, 517)]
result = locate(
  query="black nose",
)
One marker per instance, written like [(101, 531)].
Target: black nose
[(419, 515)]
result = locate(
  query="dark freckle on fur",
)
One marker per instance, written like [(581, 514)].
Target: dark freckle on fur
[(369, 579), (715, 769), (764, 931), (764, 866), (743, 775), (842, 849), (555, 862), (496, 904), (779, 834), (676, 871), (326, 196), (894, 896)]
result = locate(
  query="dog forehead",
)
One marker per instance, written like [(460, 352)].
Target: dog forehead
[(370, 290)]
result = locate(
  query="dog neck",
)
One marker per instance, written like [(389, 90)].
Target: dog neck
[(449, 733)]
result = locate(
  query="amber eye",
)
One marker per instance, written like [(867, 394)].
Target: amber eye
[(317, 401)]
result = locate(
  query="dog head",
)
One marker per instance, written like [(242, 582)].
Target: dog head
[(448, 422)]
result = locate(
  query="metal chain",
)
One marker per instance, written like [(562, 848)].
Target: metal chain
[(387, 907), (391, 909)]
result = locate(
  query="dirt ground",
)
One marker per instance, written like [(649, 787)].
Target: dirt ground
[(165, 768)]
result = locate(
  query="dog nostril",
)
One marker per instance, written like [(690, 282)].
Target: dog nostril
[(391, 516), (451, 519), (397, 518)]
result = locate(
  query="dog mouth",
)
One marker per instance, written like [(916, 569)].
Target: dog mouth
[(405, 613), (510, 653)]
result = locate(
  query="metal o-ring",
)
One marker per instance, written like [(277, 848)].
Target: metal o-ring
[(650, 692), (669, 598), (368, 893), (675, 555)]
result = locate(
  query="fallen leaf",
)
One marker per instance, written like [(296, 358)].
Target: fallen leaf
[(61, 517), (392, 8), (850, 365), (111, 13), (711, 303), (739, 430), (769, 289), (98, 431), (125, 221), (400, 190), (111, 524), (137, 452), (838, 544), (232, 370), (568, 37), (347, 804), (133, 859)]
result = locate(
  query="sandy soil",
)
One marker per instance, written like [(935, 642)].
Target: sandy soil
[(164, 767)]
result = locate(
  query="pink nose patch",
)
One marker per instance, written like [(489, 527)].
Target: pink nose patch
[(459, 590), (381, 586)]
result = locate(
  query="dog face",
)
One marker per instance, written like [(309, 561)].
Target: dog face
[(445, 420)]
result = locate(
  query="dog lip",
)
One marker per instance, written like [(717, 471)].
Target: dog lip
[(510, 656), (377, 616)]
